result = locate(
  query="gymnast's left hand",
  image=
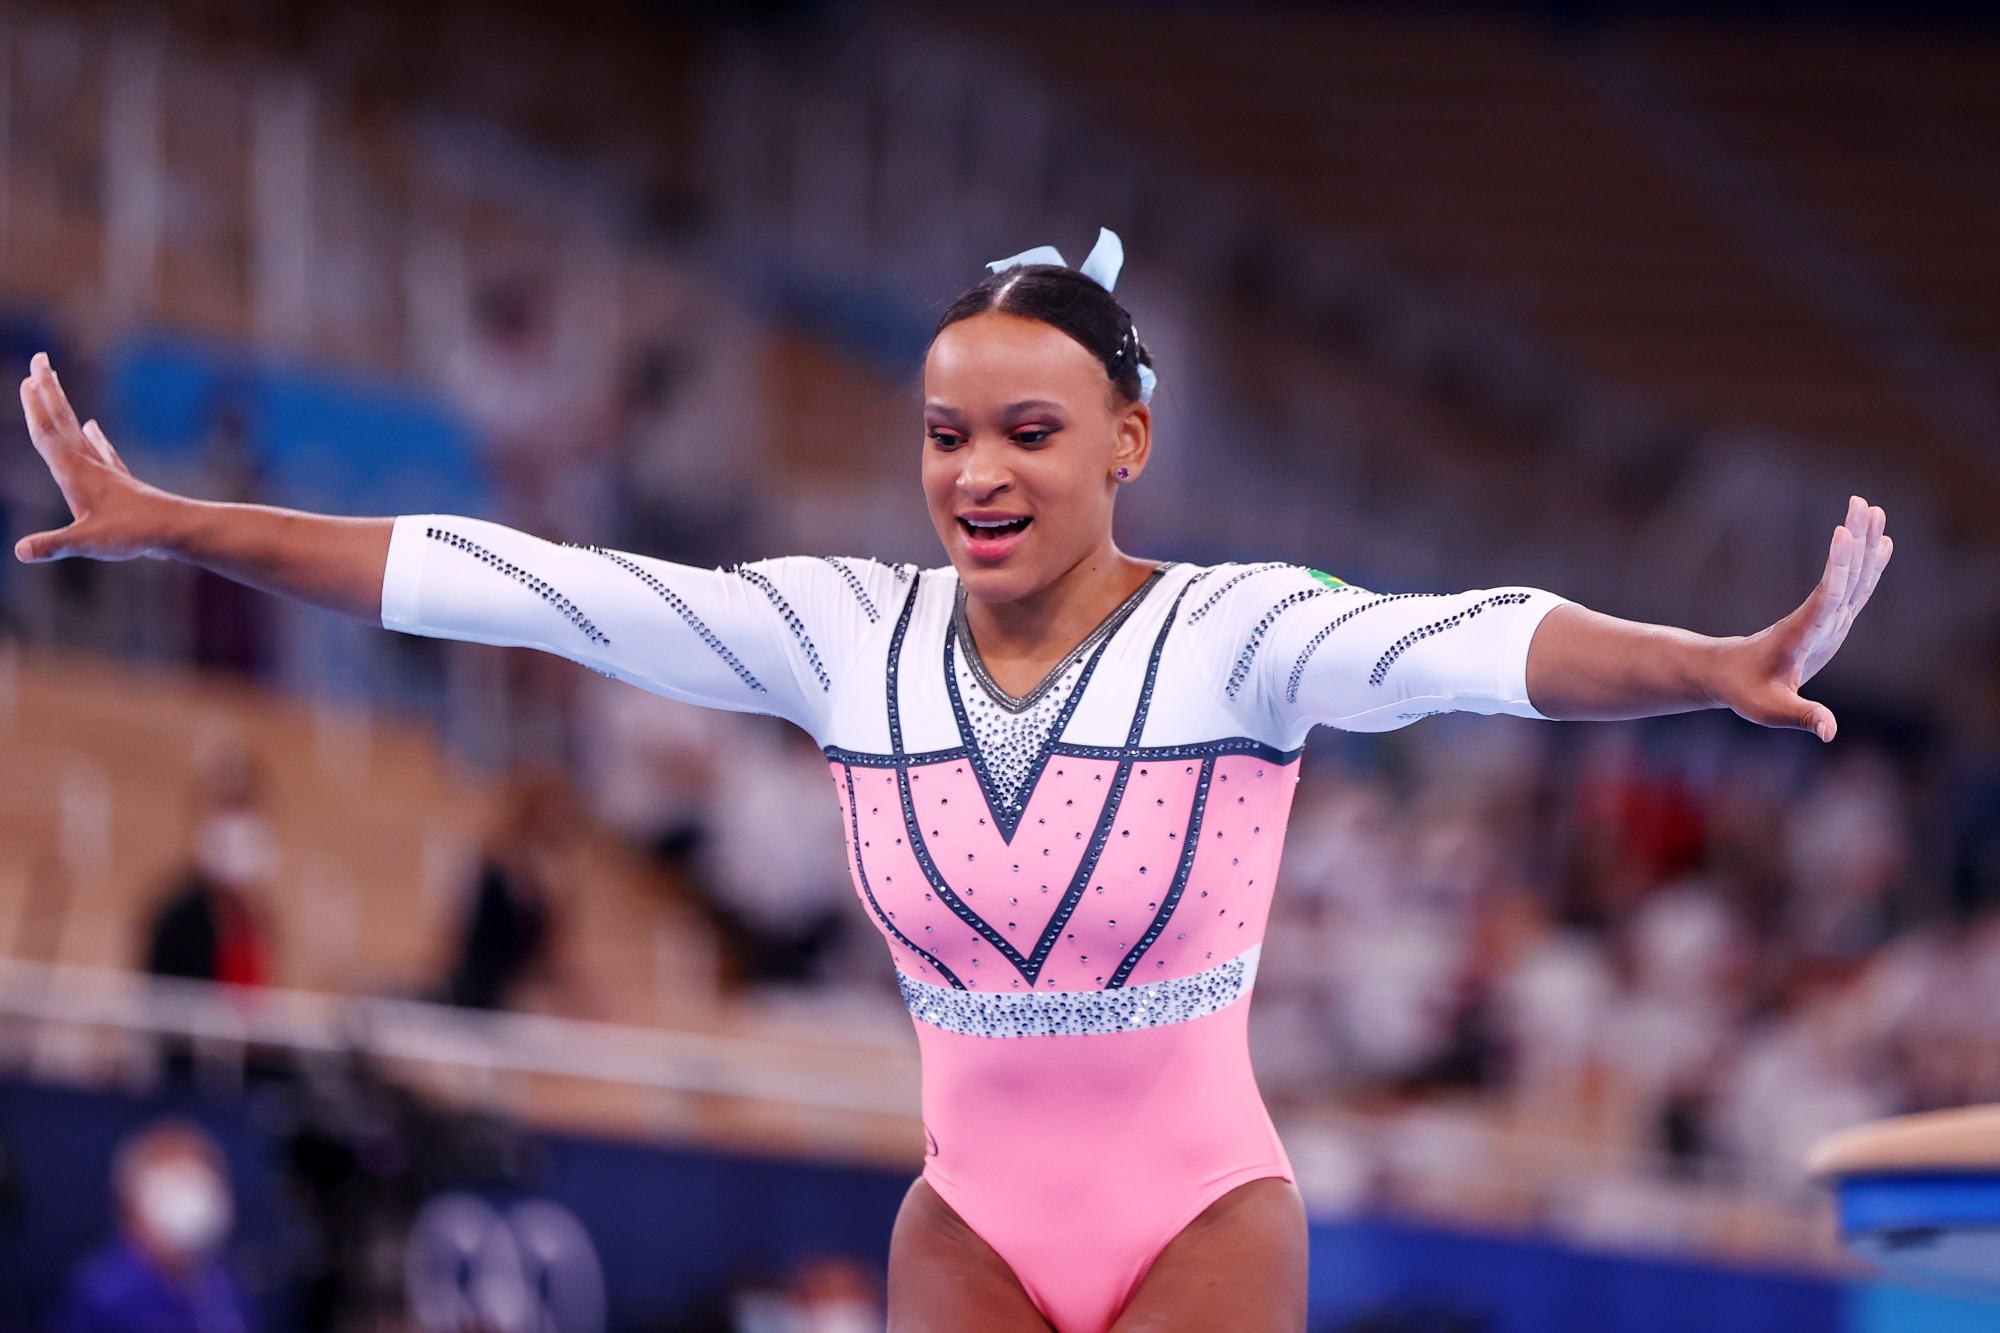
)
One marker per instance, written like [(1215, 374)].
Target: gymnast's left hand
[(1586, 665), (1759, 676)]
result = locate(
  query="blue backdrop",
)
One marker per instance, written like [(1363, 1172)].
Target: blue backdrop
[(672, 1226)]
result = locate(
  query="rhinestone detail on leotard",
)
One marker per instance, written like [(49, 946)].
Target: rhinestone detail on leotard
[(1081, 1013), (1248, 572), (1010, 739), (854, 586), (1408, 641), (1012, 744), (1312, 645), (540, 587), (763, 584), (684, 611), (962, 632), (1256, 641)]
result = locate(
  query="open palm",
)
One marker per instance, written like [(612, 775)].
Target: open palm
[(114, 515), (1766, 671)]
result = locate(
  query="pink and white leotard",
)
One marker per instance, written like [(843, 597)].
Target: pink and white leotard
[(1073, 885)]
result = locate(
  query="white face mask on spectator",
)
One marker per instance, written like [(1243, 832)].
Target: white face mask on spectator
[(237, 849), (840, 1317), (183, 1207)]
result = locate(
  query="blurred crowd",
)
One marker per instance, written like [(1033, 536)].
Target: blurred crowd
[(393, 1217), (1691, 941)]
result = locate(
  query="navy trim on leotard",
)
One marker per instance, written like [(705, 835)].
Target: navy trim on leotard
[(1030, 966), (1173, 898), (861, 874), (1069, 750)]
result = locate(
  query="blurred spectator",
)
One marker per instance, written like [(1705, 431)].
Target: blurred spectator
[(1801, 1075), (836, 1296), (1847, 845), (212, 927), (1553, 1002), (649, 763), (779, 888), (513, 917), (163, 1273), (823, 1295), (232, 621), (536, 373), (1683, 1002), (1690, 962)]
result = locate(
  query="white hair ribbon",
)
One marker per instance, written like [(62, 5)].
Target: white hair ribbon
[(1102, 266), (1105, 259), (1041, 254)]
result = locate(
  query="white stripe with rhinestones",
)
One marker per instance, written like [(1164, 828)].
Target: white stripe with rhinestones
[(1080, 1013)]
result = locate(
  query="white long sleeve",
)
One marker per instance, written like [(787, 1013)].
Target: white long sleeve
[(770, 637), (1289, 649)]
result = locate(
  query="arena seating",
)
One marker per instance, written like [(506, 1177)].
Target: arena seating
[(379, 829), (1472, 155), (1891, 135)]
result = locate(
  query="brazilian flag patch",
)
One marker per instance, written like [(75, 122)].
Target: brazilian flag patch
[(1326, 578)]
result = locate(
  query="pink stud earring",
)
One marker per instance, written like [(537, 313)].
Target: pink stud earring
[(1123, 474)]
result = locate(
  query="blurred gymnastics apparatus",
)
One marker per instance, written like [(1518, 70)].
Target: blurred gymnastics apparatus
[(394, 983)]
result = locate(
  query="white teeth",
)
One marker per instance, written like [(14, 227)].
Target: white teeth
[(991, 523)]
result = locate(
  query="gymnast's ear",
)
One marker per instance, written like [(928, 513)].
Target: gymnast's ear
[(1132, 442)]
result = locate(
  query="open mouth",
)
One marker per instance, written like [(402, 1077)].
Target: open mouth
[(989, 529)]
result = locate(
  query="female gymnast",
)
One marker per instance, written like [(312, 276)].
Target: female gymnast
[(1064, 773)]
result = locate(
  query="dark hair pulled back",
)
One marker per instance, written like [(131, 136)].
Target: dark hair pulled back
[(1063, 299)]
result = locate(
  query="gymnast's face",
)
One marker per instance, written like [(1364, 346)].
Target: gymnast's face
[(1024, 437)]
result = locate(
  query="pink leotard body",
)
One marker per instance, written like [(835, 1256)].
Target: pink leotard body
[(1074, 884)]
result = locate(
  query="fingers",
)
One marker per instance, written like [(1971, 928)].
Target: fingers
[(1789, 709), (57, 402), (1860, 551), (41, 426), (1876, 550), (102, 444), (42, 546), (1874, 573), (51, 424), (1869, 551), (1823, 609)]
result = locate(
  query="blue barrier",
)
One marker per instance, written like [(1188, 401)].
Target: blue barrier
[(673, 1226), (316, 439), (1400, 1275)]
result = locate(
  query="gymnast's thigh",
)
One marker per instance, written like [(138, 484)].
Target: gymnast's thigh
[(1241, 1265), (944, 1279)]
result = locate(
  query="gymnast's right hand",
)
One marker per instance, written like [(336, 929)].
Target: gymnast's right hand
[(336, 563), (114, 515)]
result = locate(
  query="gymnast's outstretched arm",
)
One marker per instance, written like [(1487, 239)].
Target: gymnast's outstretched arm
[(336, 563), (1584, 665), (1290, 649), (772, 637)]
